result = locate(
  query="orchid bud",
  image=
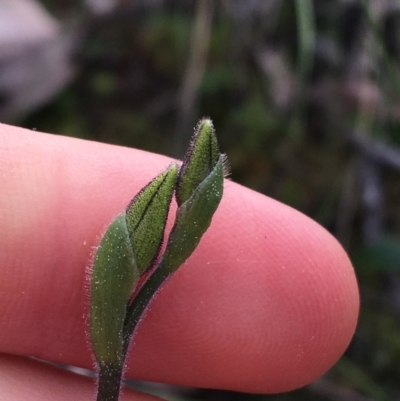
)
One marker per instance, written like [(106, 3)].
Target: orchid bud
[(129, 251), (199, 191), (146, 217), (200, 159), (129, 246)]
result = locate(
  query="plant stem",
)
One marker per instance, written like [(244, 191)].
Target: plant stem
[(109, 382), (110, 375), (141, 302)]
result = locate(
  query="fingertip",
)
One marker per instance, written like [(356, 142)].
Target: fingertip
[(302, 286), (268, 303)]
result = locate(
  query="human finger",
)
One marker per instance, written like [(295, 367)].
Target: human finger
[(268, 301)]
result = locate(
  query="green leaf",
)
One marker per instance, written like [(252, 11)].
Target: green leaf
[(114, 277), (193, 218), (201, 158), (146, 217)]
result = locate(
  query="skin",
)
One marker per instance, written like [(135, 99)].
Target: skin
[(267, 303)]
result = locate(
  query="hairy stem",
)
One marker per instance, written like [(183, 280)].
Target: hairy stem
[(110, 375), (109, 382), (142, 301)]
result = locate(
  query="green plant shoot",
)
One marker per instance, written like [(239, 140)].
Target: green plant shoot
[(130, 250)]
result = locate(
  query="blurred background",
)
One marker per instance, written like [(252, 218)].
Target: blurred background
[(305, 98)]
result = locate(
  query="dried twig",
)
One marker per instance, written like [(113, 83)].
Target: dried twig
[(194, 71)]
